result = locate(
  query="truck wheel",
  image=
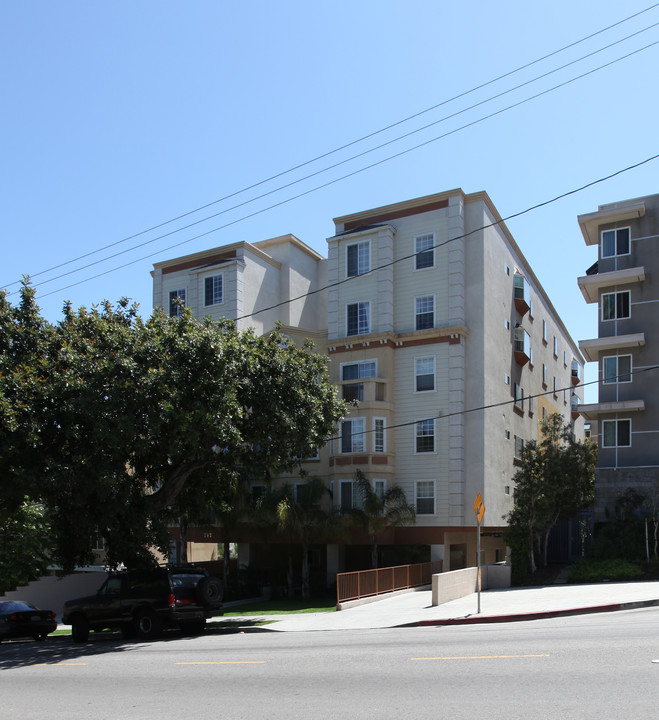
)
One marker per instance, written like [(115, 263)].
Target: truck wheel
[(209, 591), (147, 625), (80, 629)]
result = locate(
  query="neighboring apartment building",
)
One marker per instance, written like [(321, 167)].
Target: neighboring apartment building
[(437, 326), (623, 284)]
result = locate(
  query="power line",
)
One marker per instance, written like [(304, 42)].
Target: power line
[(336, 150), (343, 177)]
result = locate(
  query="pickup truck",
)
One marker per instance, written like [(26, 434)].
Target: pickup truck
[(144, 602)]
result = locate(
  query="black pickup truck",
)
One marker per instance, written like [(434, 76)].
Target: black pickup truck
[(144, 602)]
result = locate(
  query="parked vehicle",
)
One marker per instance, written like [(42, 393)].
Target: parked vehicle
[(144, 602), (20, 619)]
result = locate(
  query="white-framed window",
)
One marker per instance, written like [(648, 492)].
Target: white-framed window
[(616, 305), (544, 330), (424, 373), (617, 369), (555, 346), (358, 318), (530, 357), (519, 446), (176, 301), (615, 242), (617, 433), (357, 371), (358, 258), (424, 431), (213, 290), (425, 253), (352, 435), (544, 374), (531, 309), (379, 436), (424, 497), (380, 488), (349, 497), (424, 312)]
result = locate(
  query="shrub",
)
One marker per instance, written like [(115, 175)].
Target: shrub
[(592, 570)]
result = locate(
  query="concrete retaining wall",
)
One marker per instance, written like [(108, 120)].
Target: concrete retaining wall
[(50, 592), (458, 583)]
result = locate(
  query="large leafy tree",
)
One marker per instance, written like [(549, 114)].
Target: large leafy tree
[(555, 480), (378, 513), (108, 418)]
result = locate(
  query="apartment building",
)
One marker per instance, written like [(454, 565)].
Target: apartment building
[(438, 329), (622, 282)]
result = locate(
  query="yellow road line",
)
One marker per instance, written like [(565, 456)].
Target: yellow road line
[(481, 657), (223, 662)]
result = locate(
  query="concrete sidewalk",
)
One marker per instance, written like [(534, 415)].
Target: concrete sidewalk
[(414, 608)]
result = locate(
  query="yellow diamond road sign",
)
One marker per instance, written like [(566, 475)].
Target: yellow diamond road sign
[(479, 508)]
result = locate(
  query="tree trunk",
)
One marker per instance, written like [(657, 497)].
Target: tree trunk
[(305, 574), (226, 563)]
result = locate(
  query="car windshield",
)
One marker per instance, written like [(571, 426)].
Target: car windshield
[(12, 606)]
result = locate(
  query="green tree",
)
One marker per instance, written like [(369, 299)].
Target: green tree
[(304, 518), (377, 512), (23, 544), (555, 480), (107, 418)]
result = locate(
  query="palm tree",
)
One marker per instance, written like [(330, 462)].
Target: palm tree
[(379, 512), (302, 517)]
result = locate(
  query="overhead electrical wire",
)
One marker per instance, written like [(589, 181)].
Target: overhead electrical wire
[(336, 180), (336, 150)]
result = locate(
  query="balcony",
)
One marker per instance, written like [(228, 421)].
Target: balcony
[(591, 285), (576, 373), (592, 348), (594, 410), (366, 390), (521, 294), (574, 406), (522, 346)]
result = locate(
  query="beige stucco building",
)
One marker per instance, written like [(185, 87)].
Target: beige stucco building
[(436, 325)]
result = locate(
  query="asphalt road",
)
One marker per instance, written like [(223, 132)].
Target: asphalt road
[(593, 666)]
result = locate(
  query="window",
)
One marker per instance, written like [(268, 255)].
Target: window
[(358, 259), (506, 269), (564, 358), (506, 378), (425, 436), (544, 330), (530, 356), (617, 369), (424, 373), (616, 306), (544, 374), (176, 302), (555, 386), (529, 401), (506, 323), (425, 254), (380, 488), (615, 242), (255, 492), (518, 393), (425, 497), (616, 433), (506, 434), (358, 320), (425, 312), (357, 371), (555, 346), (378, 435), (352, 435), (213, 290), (350, 496), (519, 446)]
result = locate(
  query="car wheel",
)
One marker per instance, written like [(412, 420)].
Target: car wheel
[(209, 591), (80, 629), (147, 625)]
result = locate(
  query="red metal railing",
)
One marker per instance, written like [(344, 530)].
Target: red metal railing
[(365, 583)]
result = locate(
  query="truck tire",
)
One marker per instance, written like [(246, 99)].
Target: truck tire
[(147, 624), (79, 628), (210, 591)]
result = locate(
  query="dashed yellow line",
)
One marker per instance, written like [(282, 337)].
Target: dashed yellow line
[(222, 662), (481, 657)]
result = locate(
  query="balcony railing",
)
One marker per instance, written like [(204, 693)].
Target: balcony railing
[(367, 583)]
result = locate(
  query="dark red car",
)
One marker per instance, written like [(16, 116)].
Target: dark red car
[(20, 619)]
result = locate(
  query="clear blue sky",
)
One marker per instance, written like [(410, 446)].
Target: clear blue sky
[(120, 116)]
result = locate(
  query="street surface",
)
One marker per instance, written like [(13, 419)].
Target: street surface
[(589, 666)]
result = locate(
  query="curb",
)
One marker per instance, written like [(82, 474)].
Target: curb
[(520, 617)]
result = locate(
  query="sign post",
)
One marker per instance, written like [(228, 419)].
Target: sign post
[(479, 509)]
